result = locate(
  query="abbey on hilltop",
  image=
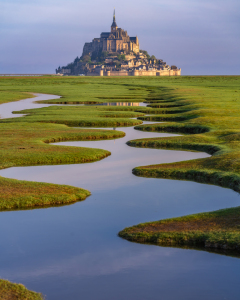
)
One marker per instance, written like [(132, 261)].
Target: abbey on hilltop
[(115, 53), (115, 41)]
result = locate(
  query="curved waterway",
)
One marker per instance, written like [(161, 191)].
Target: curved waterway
[(73, 252)]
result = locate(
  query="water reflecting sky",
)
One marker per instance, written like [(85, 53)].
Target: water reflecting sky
[(73, 251)]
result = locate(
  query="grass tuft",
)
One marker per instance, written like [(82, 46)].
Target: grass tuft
[(14, 291), (219, 229)]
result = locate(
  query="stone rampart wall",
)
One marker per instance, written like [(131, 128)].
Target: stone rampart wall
[(176, 72), (116, 73)]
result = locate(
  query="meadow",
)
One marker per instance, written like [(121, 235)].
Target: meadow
[(205, 110), (9, 96), (208, 116)]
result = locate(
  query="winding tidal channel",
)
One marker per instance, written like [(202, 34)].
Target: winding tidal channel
[(73, 252)]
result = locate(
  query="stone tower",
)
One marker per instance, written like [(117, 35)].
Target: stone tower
[(116, 41)]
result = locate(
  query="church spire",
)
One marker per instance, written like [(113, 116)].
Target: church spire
[(114, 24), (114, 17)]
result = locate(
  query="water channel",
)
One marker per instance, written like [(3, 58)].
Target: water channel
[(73, 252)]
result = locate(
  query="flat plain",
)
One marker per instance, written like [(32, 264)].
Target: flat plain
[(205, 110)]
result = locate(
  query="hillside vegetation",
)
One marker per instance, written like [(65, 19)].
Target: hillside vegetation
[(14, 291)]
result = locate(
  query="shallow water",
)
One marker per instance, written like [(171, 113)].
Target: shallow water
[(6, 109), (122, 104), (73, 251)]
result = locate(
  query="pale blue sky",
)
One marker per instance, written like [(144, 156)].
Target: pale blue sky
[(200, 36)]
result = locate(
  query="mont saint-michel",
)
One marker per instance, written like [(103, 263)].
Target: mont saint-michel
[(115, 53)]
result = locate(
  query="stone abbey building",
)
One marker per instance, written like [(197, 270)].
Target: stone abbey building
[(115, 41), (115, 53)]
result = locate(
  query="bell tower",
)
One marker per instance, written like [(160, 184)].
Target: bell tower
[(114, 26)]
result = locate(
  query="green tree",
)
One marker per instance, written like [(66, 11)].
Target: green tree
[(121, 57), (86, 58), (76, 60)]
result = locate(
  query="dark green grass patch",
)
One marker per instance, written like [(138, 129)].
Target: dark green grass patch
[(218, 229), (172, 127), (19, 194), (84, 116), (167, 105), (169, 117), (14, 291)]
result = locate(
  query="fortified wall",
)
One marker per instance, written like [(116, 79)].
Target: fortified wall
[(176, 72)]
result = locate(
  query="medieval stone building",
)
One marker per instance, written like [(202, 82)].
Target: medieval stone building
[(115, 41), (115, 53)]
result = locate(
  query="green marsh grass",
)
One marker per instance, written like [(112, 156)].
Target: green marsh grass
[(14, 291), (205, 109), (209, 118), (219, 229), (9, 96), (83, 116), (23, 144)]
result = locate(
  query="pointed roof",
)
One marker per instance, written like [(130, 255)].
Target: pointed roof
[(114, 24)]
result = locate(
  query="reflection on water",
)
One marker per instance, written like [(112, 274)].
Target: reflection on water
[(122, 104), (6, 109), (73, 252)]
